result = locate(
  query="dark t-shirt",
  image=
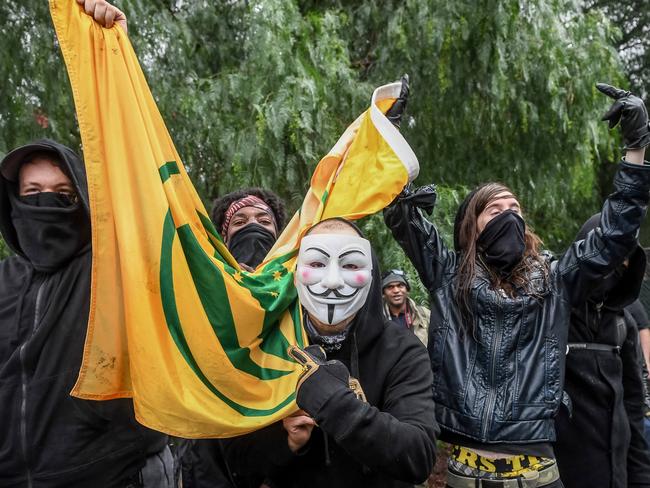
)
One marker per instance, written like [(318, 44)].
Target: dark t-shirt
[(399, 319)]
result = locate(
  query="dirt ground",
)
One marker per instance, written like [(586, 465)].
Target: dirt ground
[(439, 477)]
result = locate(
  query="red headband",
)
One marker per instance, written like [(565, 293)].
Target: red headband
[(247, 201)]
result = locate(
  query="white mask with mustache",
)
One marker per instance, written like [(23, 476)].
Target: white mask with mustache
[(333, 275)]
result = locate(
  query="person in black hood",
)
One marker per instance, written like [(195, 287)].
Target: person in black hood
[(500, 311), (600, 441), (366, 415), (47, 437)]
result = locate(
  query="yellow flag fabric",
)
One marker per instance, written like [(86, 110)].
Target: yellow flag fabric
[(198, 343)]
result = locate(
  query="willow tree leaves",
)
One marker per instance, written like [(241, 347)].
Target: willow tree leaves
[(255, 92)]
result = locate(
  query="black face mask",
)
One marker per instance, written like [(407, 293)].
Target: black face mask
[(608, 284), (502, 241), (51, 228), (251, 244)]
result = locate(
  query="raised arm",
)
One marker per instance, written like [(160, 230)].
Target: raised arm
[(418, 237), (588, 260)]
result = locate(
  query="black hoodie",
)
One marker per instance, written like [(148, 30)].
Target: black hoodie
[(387, 442), (601, 442), (47, 437)]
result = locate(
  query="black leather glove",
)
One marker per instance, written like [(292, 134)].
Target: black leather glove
[(631, 112), (423, 197), (396, 110), (320, 380)]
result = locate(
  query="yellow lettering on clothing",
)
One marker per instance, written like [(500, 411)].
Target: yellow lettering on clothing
[(515, 462), (487, 465), (467, 457)]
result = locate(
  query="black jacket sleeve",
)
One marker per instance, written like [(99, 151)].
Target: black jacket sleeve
[(421, 242), (588, 260), (399, 439), (639, 314), (638, 456)]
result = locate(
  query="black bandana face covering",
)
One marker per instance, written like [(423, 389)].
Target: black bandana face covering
[(502, 242), (51, 228), (251, 244), (601, 291)]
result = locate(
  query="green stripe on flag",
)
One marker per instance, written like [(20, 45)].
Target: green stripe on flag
[(175, 329), (211, 289), (168, 169), (274, 291)]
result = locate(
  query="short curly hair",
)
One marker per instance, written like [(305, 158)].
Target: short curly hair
[(221, 204)]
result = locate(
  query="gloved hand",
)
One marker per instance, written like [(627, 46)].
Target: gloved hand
[(631, 112), (423, 197), (396, 110), (320, 380)]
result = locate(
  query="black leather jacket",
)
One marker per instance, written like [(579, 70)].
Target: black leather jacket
[(505, 383)]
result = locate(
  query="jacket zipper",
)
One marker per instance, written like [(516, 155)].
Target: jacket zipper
[(23, 401), (492, 393)]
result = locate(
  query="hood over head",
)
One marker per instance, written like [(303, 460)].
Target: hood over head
[(369, 320), (9, 167), (628, 284)]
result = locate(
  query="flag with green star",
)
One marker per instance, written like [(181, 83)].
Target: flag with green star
[(199, 343)]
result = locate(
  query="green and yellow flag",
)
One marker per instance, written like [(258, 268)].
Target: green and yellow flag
[(198, 343)]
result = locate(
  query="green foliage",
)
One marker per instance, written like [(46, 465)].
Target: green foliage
[(35, 99), (255, 92), (4, 250), (502, 91), (632, 18)]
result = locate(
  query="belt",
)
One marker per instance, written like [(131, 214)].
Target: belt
[(592, 346), (531, 479)]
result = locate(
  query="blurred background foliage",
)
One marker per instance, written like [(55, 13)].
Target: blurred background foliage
[(254, 92)]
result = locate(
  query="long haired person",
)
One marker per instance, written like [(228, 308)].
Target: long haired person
[(500, 310)]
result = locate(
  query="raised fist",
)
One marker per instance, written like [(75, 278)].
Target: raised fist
[(396, 110), (104, 13), (632, 114)]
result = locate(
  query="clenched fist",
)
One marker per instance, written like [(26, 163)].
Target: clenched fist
[(104, 13), (632, 114)]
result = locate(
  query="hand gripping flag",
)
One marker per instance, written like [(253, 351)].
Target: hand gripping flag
[(198, 343)]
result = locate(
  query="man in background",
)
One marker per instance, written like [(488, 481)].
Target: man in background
[(402, 309)]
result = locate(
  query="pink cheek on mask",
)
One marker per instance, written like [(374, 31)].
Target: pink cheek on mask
[(305, 274), (361, 278)]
